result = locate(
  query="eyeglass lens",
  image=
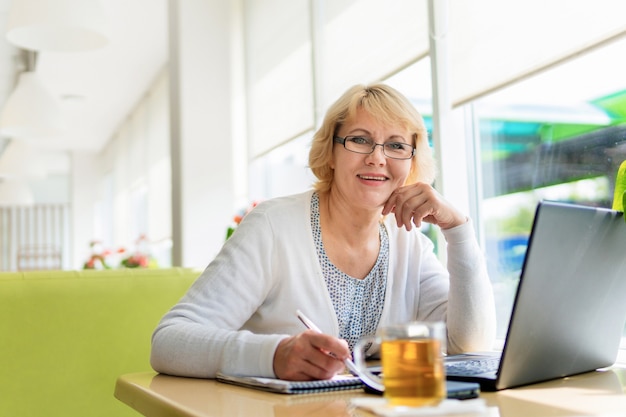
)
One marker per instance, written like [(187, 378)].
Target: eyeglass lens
[(396, 150)]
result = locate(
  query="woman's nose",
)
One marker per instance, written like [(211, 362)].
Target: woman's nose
[(378, 156)]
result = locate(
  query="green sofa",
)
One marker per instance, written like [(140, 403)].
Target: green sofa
[(65, 336)]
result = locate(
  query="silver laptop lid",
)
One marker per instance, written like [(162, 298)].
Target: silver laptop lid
[(569, 311)]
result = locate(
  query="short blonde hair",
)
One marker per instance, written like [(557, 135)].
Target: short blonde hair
[(387, 106)]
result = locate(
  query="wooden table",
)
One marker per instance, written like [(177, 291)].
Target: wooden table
[(596, 393)]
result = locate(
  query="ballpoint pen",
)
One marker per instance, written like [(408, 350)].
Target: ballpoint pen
[(310, 325)]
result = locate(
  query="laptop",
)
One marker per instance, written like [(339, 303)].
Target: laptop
[(570, 307)]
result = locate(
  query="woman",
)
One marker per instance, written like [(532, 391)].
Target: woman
[(349, 254)]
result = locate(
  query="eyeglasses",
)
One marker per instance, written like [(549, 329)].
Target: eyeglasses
[(365, 145)]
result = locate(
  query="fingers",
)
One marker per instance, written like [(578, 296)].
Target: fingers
[(310, 356), (409, 205), (420, 202)]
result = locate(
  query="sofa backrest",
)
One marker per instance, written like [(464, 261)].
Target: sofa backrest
[(65, 336)]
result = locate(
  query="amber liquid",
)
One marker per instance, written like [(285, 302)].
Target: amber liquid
[(413, 372)]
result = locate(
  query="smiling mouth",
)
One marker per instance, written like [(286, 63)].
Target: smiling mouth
[(370, 178)]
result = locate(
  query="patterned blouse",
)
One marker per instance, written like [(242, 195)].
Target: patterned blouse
[(358, 303)]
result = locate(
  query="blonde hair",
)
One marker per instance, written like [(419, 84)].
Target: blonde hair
[(387, 106)]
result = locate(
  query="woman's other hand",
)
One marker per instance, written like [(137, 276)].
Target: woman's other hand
[(307, 356), (412, 204)]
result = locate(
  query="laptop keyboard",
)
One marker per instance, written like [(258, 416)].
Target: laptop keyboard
[(471, 367)]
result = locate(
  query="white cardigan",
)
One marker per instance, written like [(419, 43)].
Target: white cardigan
[(244, 303)]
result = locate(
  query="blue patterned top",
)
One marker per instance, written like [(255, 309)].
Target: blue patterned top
[(358, 303)]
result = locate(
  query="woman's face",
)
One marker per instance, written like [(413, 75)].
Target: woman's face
[(369, 179)]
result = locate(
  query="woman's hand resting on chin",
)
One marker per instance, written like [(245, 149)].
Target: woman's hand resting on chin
[(415, 203)]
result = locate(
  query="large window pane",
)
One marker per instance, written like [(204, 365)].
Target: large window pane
[(559, 136)]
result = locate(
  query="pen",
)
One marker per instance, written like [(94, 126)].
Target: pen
[(310, 325)]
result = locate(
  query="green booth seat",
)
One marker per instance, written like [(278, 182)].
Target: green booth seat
[(65, 336)]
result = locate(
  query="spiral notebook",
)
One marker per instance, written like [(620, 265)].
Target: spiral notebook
[(337, 383), (344, 382)]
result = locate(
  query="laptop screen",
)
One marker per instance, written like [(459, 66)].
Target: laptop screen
[(570, 306)]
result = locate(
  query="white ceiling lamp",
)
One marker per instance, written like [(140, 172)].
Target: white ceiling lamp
[(57, 25), (31, 111), (15, 192), (21, 160)]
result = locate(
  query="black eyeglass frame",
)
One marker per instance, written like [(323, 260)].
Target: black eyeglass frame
[(338, 139)]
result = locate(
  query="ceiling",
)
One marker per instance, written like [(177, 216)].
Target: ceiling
[(96, 89)]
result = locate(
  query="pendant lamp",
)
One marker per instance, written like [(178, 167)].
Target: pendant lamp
[(57, 25), (21, 160), (31, 111)]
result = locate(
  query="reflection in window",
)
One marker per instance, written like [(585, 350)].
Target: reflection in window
[(551, 138)]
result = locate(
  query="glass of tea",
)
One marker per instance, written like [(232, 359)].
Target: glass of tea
[(411, 355)]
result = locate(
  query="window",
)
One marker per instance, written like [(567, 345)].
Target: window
[(282, 171), (560, 135)]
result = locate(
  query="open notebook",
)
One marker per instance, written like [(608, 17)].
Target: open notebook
[(456, 390), (570, 307), (338, 383)]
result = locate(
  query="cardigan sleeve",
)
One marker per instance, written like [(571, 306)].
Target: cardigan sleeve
[(202, 334), (244, 303), (459, 293), (471, 309)]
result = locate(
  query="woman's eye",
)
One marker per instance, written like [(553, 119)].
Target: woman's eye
[(360, 140), (396, 146)]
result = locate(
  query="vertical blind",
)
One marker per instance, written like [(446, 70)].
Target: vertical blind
[(368, 40), (278, 71), (491, 43), (361, 41), (494, 43)]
